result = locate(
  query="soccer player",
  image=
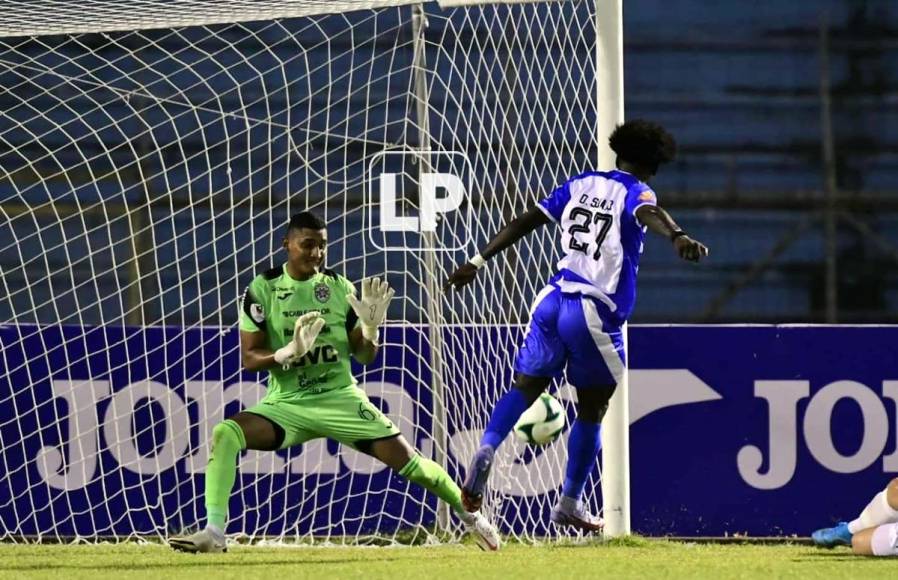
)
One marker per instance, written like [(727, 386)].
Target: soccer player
[(873, 533), (575, 321), (301, 322)]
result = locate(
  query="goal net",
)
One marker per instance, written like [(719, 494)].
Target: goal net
[(151, 153)]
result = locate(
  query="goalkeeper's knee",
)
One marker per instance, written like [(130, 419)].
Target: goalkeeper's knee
[(227, 439)]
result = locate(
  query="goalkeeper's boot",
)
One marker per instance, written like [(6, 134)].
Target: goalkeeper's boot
[(475, 482), (569, 512), (837, 535), (205, 541), (483, 531)]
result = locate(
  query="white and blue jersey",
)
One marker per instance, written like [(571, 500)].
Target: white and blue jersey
[(576, 319)]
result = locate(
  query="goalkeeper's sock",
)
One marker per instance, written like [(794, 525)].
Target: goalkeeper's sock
[(505, 415), (582, 453), (434, 479), (227, 442)]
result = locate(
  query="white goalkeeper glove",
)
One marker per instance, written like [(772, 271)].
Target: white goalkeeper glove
[(372, 308), (305, 331)]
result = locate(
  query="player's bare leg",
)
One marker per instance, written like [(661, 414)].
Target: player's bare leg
[(858, 533), (242, 431), (398, 454), (879, 541)]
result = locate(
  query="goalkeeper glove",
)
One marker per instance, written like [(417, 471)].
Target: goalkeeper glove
[(372, 308), (305, 331)]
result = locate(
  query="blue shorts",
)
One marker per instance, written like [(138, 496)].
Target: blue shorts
[(567, 330)]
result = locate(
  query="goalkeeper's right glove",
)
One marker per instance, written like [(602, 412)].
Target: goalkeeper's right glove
[(305, 331)]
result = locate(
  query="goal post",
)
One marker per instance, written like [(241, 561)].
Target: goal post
[(151, 154), (610, 113)]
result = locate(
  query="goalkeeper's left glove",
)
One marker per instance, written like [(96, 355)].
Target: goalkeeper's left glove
[(372, 308)]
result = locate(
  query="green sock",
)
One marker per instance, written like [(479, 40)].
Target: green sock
[(434, 478), (227, 442)]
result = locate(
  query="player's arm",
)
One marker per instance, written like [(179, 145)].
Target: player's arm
[(659, 221), (254, 351), (364, 350), (507, 236), (258, 356), (369, 311)]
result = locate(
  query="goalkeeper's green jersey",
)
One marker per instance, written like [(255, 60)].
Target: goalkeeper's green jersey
[(274, 301)]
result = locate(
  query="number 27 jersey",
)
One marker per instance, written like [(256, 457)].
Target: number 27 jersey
[(601, 238)]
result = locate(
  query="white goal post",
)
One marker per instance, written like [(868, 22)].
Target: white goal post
[(616, 425), (151, 153)]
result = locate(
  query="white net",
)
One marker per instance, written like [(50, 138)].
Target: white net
[(147, 173)]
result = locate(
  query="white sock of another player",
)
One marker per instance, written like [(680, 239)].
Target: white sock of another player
[(877, 513), (885, 540)]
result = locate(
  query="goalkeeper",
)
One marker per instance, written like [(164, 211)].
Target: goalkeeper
[(300, 322)]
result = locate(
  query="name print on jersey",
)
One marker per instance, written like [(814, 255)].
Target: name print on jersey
[(597, 202)]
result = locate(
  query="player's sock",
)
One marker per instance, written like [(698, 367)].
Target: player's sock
[(582, 453), (227, 442), (505, 415), (434, 479), (877, 513)]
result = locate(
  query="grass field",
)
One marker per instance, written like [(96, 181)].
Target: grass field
[(629, 559)]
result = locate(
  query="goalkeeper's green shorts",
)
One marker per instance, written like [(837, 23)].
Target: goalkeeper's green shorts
[(344, 414)]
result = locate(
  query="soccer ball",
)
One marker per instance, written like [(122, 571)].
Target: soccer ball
[(542, 423)]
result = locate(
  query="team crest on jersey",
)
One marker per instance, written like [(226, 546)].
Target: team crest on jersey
[(322, 292), (255, 310)]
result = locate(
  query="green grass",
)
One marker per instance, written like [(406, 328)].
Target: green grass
[(634, 558)]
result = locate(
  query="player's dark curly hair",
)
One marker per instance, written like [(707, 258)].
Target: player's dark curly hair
[(643, 143), (305, 219)]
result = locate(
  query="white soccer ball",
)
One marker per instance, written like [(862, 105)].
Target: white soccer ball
[(542, 423)]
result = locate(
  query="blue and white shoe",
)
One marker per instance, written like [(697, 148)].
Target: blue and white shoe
[(475, 482), (837, 535), (575, 514)]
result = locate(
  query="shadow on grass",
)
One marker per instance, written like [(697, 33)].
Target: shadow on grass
[(633, 541), (185, 563), (841, 556)]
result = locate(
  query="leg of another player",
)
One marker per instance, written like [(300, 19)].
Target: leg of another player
[(882, 509), (505, 414), (879, 541), (229, 438), (398, 454), (584, 443)]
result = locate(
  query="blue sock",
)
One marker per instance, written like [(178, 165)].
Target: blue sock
[(505, 415), (583, 447)]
